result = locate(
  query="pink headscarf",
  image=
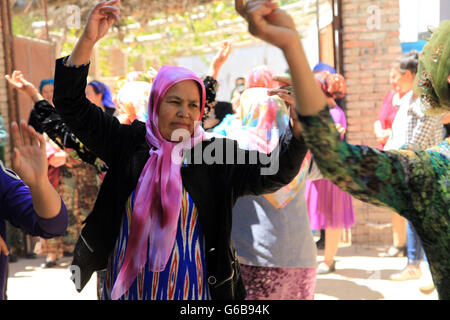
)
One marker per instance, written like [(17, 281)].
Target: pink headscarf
[(159, 190)]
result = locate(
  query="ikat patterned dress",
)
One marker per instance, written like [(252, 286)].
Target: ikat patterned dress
[(185, 275)]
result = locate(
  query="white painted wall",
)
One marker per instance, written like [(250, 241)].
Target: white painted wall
[(416, 16), (239, 63), (242, 60)]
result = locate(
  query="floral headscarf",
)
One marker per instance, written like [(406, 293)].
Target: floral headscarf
[(261, 77), (333, 85), (431, 83), (132, 93)]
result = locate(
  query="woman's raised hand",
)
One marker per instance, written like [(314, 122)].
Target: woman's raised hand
[(268, 22), (219, 59), (18, 81), (29, 157), (100, 20)]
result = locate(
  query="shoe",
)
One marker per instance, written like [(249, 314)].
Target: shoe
[(427, 289), (409, 273), (320, 244), (395, 251), (30, 256), (12, 258), (323, 268), (48, 264)]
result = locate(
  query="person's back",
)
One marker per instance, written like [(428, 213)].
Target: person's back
[(271, 232), (265, 235)]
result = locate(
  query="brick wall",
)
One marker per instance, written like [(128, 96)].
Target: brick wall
[(3, 95), (370, 43)]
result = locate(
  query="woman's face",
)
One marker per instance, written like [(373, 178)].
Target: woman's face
[(402, 82), (47, 92), (94, 97), (180, 109)]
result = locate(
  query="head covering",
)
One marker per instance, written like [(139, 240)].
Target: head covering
[(44, 83), (131, 96), (333, 85), (258, 125), (258, 122), (159, 189), (261, 77), (431, 83), (102, 88), (324, 67)]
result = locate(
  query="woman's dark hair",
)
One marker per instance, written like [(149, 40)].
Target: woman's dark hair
[(408, 61), (221, 109)]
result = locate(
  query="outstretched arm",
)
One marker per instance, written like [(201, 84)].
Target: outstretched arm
[(366, 173), (97, 131)]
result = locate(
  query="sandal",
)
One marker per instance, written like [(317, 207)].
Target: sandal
[(395, 251)]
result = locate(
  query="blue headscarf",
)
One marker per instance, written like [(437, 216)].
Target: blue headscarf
[(44, 83), (102, 88), (324, 67)]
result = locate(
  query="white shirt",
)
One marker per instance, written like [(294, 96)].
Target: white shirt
[(411, 127)]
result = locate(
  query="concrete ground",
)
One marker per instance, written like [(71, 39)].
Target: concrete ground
[(361, 275)]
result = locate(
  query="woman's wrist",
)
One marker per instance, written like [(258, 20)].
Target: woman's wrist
[(293, 44), (82, 52), (36, 96), (39, 186)]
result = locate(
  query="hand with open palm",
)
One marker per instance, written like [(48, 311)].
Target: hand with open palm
[(29, 157), (18, 81), (219, 59)]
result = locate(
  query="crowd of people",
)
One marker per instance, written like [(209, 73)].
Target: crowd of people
[(186, 197)]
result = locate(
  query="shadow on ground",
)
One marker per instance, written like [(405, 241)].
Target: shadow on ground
[(365, 274), (346, 290)]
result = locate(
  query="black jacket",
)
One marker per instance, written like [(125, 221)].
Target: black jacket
[(214, 188)]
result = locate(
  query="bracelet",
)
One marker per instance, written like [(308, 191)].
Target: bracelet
[(64, 62)]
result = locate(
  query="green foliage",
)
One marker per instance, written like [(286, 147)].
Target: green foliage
[(186, 34), (21, 25)]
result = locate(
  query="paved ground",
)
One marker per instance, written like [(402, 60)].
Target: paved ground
[(361, 275)]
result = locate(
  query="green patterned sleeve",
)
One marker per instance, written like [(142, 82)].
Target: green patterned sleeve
[(368, 174)]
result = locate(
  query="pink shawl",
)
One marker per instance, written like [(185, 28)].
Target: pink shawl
[(159, 190)]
